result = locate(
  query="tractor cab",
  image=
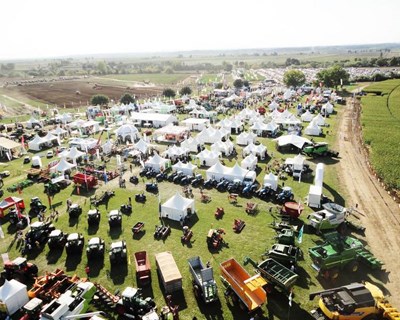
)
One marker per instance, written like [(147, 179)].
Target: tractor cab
[(74, 210), (132, 302), (93, 216), (17, 264), (115, 218), (95, 247), (118, 252), (57, 239), (74, 243)]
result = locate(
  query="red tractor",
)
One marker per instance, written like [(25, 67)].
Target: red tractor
[(18, 269)]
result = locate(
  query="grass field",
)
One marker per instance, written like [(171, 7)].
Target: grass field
[(381, 129), (255, 239)]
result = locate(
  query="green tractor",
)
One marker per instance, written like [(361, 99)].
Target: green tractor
[(319, 150)]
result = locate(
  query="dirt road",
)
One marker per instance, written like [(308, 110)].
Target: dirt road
[(379, 213)]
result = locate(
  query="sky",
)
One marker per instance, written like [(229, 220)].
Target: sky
[(52, 28)]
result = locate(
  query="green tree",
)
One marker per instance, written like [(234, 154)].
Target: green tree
[(292, 61), (99, 100), (102, 67), (169, 93), (185, 91), (332, 77), (218, 85), (246, 83), (127, 98), (294, 78), (238, 83)]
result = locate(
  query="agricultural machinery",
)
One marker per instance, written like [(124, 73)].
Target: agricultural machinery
[(74, 210), (204, 285), (319, 150), (75, 243), (93, 217), (36, 207), (115, 218), (39, 232), (18, 269), (285, 195), (118, 252), (95, 248), (57, 239)]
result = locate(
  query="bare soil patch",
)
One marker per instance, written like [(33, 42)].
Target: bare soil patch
[(75, 93)]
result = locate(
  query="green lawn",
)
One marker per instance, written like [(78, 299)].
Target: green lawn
[(255, 239)]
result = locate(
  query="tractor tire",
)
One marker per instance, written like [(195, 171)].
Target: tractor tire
[(353, 266), (342, 228), (334, 274)]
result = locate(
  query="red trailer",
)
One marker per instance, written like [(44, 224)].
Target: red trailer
[(143, 272), (85, 180)]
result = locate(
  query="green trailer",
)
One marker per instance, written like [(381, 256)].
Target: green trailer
[(276, 274)]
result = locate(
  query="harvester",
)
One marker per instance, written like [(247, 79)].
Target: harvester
[(355, 301)]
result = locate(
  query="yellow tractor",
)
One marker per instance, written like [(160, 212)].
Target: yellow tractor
[(356, 301)]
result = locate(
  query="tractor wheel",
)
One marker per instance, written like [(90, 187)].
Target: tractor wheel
[(353, 266), (334, 274), (342, 228)]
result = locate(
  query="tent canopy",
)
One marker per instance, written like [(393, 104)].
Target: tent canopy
[(14, 295), (176, 207)]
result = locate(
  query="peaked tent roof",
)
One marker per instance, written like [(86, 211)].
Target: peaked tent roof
[(178, 202)]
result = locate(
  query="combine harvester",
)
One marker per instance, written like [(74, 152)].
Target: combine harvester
[(355, 301), (241, 287), (340, 252)]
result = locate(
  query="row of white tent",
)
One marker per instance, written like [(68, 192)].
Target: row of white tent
[(37, 143)]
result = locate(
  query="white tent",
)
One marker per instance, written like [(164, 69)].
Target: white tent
[(245, 138), (236, 172), (64, 118), (312, 129), (250, 162), (142, 146), (127, 131), (13, 296), (186, 168), (192, 144), (328, 107), (217, 171), (177, 208), (258, 128), (292, 139), (319, 120), (107, 147), (273, 105), (75, 154), (36, 144), (259, 150), (271, 180), (50, 138), (306, 116), (208, 158), (157, 163), (225, 147), (196, 124), (175, 152), (32, 123), (59, 132), (63, 166), (212, 135)]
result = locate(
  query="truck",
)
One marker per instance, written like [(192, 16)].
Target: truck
[(320, 149), (170, 275), (204, 285), (241, 287), (340, 252), (277, 275), (74, 301), (356, 301)]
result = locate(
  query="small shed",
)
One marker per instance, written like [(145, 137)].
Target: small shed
[(169, 273), (13, 296)]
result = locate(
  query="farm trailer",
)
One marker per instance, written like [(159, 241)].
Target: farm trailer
[(169, 273), (245, 289), (204, 285)]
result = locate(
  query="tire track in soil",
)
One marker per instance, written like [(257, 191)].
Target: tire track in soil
[(381, 215)]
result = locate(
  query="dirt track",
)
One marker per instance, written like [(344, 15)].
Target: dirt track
[(378, 212)]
